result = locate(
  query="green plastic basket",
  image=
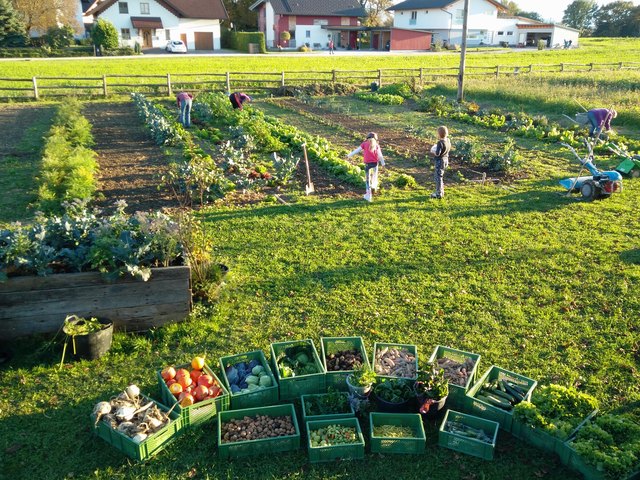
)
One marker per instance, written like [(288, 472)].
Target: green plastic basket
[(589, 471), (457, 394), (415, 444), (354, 451), (200, 412), (329, 416), (149, 447), (266, 396), (490, 412), (252, 448), (470, 446), (338, 379), (541, 439), (379, 346), (293, 387)]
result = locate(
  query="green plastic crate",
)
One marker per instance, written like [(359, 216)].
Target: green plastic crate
[(457, 394), (252, 448), (149, 447), (415, 444), (200, 412), (338, 379), (411, 348), (293, 387), (330, 416), (540, 439), (354, 451), (589, 471), (266, 396), (488, 411), (467, 445)]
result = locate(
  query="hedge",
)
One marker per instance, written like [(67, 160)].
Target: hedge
[(241, 40)]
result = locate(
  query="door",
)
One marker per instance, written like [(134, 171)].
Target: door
[(183, 37), (146, 39), (204, 40)]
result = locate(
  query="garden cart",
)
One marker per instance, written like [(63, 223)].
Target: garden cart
[(599, 184), (630, 164)]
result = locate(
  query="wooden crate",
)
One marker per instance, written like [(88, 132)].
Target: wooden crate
[(31, 305)]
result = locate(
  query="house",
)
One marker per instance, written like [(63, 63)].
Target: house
[(83, 22), (310, 22), (487, 23), (151, 23), (524, 32)]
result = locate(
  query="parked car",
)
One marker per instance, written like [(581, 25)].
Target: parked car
[(176, 46)]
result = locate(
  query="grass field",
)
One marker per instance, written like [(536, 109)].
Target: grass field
[(535, 282)]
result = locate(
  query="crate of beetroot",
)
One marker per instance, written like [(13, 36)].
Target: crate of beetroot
[(460, 369), (298, 368), (135, 424), (195, 388), (255, 431), (340, 356)]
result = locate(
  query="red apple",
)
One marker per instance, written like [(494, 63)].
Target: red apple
[(171, 382)]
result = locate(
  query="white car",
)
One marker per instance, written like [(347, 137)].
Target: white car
[(176, 46)]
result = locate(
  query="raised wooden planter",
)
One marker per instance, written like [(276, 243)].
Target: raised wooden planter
[(30, 305)]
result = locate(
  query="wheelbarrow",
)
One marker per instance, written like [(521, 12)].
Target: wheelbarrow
[(598, 185), (630, 164)]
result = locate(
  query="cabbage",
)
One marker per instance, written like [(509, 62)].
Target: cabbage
[(252, 387), (251, 380), (265, 381), (302, 358), (235, 389), (232, 375), (257, 370)]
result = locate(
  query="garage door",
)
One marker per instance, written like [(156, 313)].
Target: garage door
[(204, 40)]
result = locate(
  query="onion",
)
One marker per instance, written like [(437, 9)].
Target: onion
[(102, 408), (139, 437), (132, 391), (125, 413)]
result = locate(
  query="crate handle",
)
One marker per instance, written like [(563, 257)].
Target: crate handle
[(575, 430)]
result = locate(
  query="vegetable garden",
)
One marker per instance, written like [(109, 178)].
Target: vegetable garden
[(540, 291)]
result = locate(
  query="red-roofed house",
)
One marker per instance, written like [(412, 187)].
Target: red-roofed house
[(151, 23)]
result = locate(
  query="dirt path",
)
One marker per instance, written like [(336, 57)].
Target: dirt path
[(129, 160)]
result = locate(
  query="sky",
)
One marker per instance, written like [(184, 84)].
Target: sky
[(553, 9)]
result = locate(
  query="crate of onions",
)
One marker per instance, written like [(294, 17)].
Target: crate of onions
[(134, 424)]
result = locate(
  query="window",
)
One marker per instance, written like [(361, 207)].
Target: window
[(414, 15), (459, 16), (509, 33), (125, 33), (500, 33), (124, 7), (317, 21), (307, 33), (144, 9)]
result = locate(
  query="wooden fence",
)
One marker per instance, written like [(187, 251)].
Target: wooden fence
[(38, 87)]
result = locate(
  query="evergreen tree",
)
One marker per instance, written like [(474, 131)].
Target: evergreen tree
[(12, 29)]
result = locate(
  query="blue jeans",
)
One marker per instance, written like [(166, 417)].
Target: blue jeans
[(367, 170), (594, 124), (438, 176), (185, 112)]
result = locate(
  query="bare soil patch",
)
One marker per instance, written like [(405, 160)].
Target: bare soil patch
[(130, 162)]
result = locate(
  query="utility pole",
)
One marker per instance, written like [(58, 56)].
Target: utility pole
[(463, 52)]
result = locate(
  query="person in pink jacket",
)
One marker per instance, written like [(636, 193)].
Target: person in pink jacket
[(372, 154), (600, 120), (184, 100)]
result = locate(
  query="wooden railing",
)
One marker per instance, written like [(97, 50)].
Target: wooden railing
[(37, 87)]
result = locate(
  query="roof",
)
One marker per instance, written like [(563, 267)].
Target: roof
[(203, 9), (433, 4), (547, 26), (323, 8), (146, 22)]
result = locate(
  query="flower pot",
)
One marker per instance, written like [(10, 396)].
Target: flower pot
[(430, 408), (389, 407), (95, 344), (357, 389)]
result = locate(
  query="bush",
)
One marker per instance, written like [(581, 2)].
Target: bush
[(104, 34), (404, 181), (542, 44), (304, 48), (506, 160), (241, 40), (468, 152), (398, 89), (59, 37)]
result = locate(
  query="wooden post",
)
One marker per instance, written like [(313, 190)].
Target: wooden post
[(333, 78), (379, 77), (228, 83), (562, 67), (169, 89), (421, 76), (497, 71), (35, 88), (620, 66), (282, 79), (591, 66), (104, 86), (463, 51), (530, 68)]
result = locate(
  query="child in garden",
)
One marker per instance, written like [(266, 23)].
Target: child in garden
[(184, 100), (440, 152), (372, 157), (238, 98), (600, 119)]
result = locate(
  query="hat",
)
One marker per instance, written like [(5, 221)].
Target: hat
[(614, 114), (372, 135)]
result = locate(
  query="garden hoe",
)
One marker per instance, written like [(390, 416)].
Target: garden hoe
[(308, 188)]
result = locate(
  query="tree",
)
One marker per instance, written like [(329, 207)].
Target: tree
[(511, 6), (40, 16), (612, 20), (242, 18), (104, 34), (532, 15), (59, 37), (376, 12), (12, 29), (580, 14)]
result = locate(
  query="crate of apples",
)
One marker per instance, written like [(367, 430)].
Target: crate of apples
[(198, 392)]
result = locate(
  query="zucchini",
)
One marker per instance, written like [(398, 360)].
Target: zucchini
[(494, 401), (501, 394), (512, 391), (517, 388)]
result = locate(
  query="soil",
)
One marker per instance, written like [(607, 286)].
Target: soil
[(129, 160)]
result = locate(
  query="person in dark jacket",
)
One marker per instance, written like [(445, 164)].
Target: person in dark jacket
[(440, 153), (600, 120), (238, 98)]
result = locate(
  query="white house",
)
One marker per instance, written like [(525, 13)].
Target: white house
[(487, 24), (151, 23)]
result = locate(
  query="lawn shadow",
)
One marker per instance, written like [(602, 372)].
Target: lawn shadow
[(631, 256)]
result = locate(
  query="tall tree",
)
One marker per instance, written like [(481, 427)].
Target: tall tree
[(532, 15), (39, 16), (511, 6), (12, 29), (580, 14), (376, 12), (632, 28), (612, 19), (242, 18)]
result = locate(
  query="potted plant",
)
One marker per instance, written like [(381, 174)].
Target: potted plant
[(361, 380), (431, 389), (91, 338), (394, 395)]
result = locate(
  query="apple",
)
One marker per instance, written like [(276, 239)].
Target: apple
[(168, 373), (200, 392), (197, 363), (206, 380)]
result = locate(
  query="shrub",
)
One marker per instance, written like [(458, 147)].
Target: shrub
[(506, 160), (304, 48), (59, 37), (542, 44), (468, 152), (104, 34), (398, 89)]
